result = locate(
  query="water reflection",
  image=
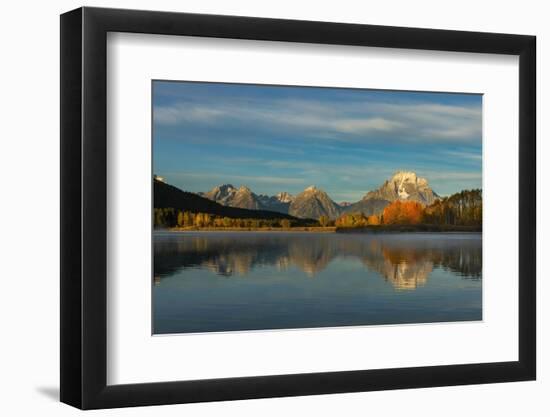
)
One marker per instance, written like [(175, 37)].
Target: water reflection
[(405, 261), (230, 281)]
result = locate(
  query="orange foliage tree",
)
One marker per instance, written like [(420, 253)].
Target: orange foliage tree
[(403, 212), (373, 220)]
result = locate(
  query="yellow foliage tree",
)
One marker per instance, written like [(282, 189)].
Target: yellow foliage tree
[(285, 223), (324, 221)]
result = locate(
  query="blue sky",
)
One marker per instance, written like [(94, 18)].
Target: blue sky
[(345, 141)]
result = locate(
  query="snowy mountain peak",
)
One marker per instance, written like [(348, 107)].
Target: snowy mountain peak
[(404, 176), (284, 197), (220, 192), (404, 186), (244, 189), (244, 197)]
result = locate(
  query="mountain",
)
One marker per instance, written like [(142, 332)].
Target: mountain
[(166, 195), (367, 206), (275, 203), (405, 186), (228, 195), (402, 186), (284, 197), (313, 203), (243, 197), (220, 194)]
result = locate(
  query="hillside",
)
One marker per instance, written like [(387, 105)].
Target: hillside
[(368, 206), (168, 196)]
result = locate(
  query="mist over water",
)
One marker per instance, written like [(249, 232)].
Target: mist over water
[(224, 281)]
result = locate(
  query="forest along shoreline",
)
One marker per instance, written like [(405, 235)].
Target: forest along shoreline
[(177, 210), (419, 228)]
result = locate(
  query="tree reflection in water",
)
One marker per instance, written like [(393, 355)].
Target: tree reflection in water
[(404, 260)]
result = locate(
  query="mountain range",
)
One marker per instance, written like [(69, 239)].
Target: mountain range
[(313, 202), (243, 197), (168, 196)]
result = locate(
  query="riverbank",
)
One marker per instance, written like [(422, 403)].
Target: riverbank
[(251, 229), (417, 228), (412, 228)]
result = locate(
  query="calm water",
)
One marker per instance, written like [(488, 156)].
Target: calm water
[(222, 281)]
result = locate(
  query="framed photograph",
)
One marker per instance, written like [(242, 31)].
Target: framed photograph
[(257, 208)]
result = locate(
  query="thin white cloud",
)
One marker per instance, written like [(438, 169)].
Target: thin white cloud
[(452, 176), (342, 121), (181, 113), (366, 125), (235, 179), (475, 156)]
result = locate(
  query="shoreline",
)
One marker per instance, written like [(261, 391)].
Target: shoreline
[(249, 229), (419, 228), (332, 229)]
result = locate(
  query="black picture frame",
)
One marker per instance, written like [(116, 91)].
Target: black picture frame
[(84, 207)]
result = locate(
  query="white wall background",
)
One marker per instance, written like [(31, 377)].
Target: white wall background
[(29, 167)]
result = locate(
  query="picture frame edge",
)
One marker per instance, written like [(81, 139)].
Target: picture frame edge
[(83, 151)]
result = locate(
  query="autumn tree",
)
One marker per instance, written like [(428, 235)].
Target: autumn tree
[(169, 217), (352, 220), (403, 212), (464, 208), (324, 221), (285, 223), (373, 220), (187, 218), (199, 220), (159, 218), (181, 222)]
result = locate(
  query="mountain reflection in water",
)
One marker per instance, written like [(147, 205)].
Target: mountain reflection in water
[(404, 260), (229, 281)]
